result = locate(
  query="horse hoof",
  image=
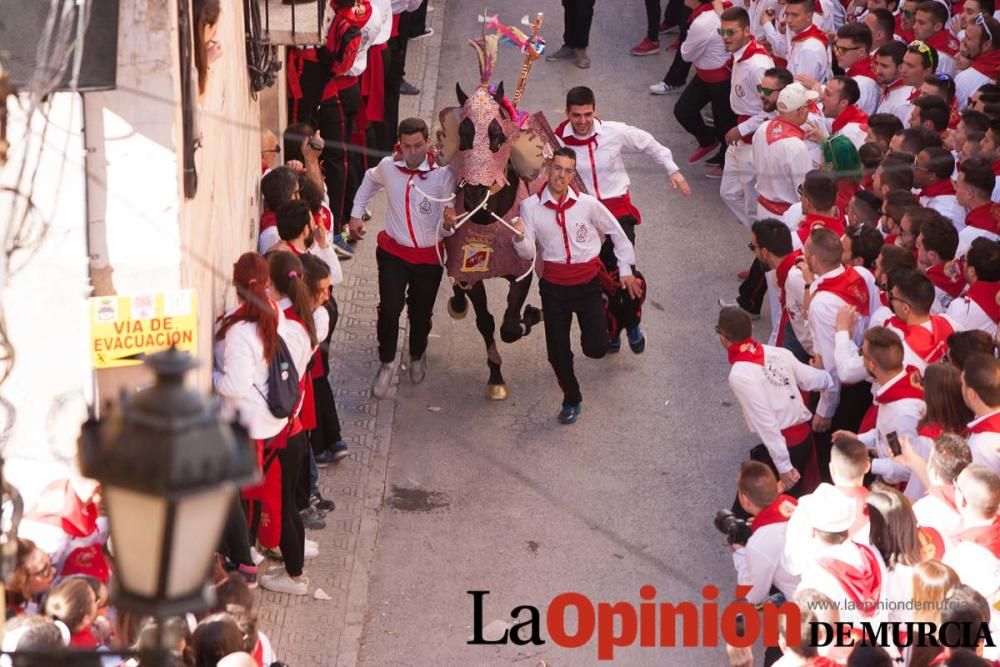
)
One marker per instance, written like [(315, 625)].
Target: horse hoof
[(455, 313), (496, 392)]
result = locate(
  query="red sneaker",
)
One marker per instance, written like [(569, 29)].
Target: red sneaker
[(646, 47), (703, 152), (743, 275), (666, 27)]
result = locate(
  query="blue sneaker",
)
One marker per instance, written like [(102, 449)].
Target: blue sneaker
[(339, 450), (343, 249), (615, 343), (569, 413), (636, 341)]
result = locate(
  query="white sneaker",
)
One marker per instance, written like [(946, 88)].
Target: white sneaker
[(280, 582), (256, 556), (311, 550), (383, 380), (661, 88), (418, 369)]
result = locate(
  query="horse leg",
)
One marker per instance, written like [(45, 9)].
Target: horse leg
[(514, 326), (458, 304), (495, 388)]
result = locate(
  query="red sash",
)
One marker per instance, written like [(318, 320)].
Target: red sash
[(944, 42), (986, 295), (989, 425), (778, 129), (776, 207), (373, 84), (622, 207), (988, 64), (852, 114), (987, 537), (938, 188), (747, 350), (930, 345), (947, 276), (812, 221), (390, 245), (812, 32), (985, 217), (564, 273), (861, 584), (864, 67), (851, 288), (780, 511)]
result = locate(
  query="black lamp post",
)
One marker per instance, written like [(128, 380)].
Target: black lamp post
[(169, 468)]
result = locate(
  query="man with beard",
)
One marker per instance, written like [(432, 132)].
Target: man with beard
[(895, 93), (982, 47)]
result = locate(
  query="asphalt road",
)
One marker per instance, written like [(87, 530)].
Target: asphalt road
[(499, 496)]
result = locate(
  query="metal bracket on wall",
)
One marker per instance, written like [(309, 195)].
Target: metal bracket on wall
[(188, 101)]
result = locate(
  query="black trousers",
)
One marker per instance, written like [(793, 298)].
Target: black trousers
[(678, 73), (335, 120), (416, 286), (235, 541), (394, 71), (799, 455), (753, 289), (292, 459), (696, 95), (577, 17), (416, 22), (672, 16), (854, 403), (560, 303), (626, 311)]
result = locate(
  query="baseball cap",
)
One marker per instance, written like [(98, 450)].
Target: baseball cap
[(794, 96), (828, 509)]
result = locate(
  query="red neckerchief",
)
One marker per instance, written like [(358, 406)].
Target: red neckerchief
[(946, 494), (851, 287), (985, 217), (258, 653), (753, 48), (560, 208), (932, 431), (908, 386), (907, 35), (868, 184), (943, 42), (928, 344), (987, 537), (988, 64), (938, 188), (747, 350), (990, 424), (813, 220), (353, 17), (814, 32), (268, 220), (996, 168), (986, 295), (852, 114), (779, 129), (953, 117), (914, 96), (864, 67), (898, 83), (861, 584), (781, 273), (947, 276), (780, 511), (422, 173), (572, 139), (83, 639), (702, 8)]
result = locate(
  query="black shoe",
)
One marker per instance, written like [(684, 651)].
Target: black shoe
[(312, 518), (531, 317), (636, 341), (407, 88), (319, 502)]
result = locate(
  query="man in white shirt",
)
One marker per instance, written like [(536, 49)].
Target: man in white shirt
[(840, 107), (774, 249), (599, 145), (981, 393), (768, 383), (882, 24), (932, 172), (566, 227), (936, 245), (982, 44), (979, 307), (975, 557), (808, 46), (781, 158), (937, 509), (409, 268), (853, 50), (930, 27), (896, 94), (751, 63), (973, 192), (300, 232), (758, 562), (703, 48)]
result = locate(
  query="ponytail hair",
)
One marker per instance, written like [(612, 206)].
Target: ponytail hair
[(288, 278), (250, 278), (315, 271)]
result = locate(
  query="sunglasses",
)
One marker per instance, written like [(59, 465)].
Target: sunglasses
[(276, 150), (767, 91), (726, 33), (841, 50), (908, 14)]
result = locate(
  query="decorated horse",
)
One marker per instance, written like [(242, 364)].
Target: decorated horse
[(498, 154)]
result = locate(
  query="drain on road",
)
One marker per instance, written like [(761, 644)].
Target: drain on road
[(417, 500)]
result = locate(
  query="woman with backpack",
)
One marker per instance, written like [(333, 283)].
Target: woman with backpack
[(245, 344), (294, 300)]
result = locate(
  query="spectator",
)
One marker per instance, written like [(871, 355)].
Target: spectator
[(893, 205), (982, 43), (278, 186), (919, 61), (937, 510), (933, 582), (976, 552), (881, 129), (964, 344), (577, 17), (936, 245), (30, 633), (853, 49), (981, 391), (932, 171), (930, 27), (861, 246), (72, 602), (896, 94), (215, 637), (979, 308), (32, 579), (973, 192), (894, 535)]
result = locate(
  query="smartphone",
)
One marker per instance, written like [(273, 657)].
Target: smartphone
[(893, 441)]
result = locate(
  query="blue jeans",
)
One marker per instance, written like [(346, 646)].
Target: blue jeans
[(791, 343)]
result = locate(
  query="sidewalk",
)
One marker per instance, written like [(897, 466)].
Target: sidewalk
[(306, 631)]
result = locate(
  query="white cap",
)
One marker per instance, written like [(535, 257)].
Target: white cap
[(794, 96), (829, 510)]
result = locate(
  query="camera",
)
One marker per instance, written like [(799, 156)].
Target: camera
[(736, 530)]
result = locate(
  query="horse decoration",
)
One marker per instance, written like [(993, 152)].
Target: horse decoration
[(498, 154)]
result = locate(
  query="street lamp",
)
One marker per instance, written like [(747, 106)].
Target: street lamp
[(169, 468)]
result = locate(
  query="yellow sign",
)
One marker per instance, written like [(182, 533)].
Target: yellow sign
[(122, 327)]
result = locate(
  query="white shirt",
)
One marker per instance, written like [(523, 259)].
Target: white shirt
[(853, 131), (948, 206), (240, 378), (585, 220), (770, 398), (968, 234), (968, 81), (809, 56), (747, 75), (985, 445), (897, 102), (976, 566), (297, 339), (613, 139), (369, 32), (400, 6), (756, 10), (703, 46), (801, 548), (900, 416), (781, 165), (416, 226), (385, 27), (795, 296), (871, 93), (822, 325), (815, 577), (759, 564), (934, 513), (968, 314)]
